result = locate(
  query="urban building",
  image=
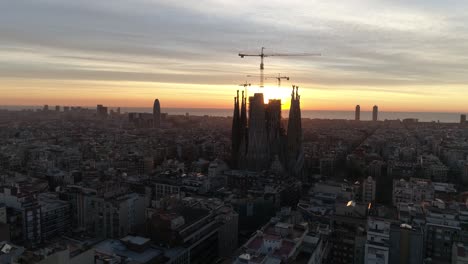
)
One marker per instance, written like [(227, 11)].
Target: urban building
[(349, 235), (375, 113), (415, 190), (156, 114), (442, 230), (377, 249), (207, 229), (368, 190), (406, 244), (357, 113), (101, 111)]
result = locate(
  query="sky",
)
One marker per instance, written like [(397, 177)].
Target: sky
[(401, 55)]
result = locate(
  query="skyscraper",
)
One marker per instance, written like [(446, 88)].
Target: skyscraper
[(156, 114), (357, 115), (375, 113), (462, 119)]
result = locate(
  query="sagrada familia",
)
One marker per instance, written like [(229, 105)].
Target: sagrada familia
[(259, 140)]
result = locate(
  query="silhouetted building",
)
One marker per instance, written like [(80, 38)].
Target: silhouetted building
[(260, 142), (257, 151), (375, 113), (57, 108), (294, 136), (274, 129), (406, 244), (462, 119), (357, 114), (46, 108), (156, 114), (141, 120), (101, 111), (235, 134)]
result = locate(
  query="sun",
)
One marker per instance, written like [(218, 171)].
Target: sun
[(275, 92)]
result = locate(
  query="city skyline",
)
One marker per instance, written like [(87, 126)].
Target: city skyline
[(406, 58)]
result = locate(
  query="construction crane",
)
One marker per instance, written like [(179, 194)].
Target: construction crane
[(278, 78), (245, 85), (263, 55)]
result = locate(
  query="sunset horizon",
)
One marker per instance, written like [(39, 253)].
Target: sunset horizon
[(86, 53)]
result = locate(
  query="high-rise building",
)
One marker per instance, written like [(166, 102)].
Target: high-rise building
[(46, 108), (462, 119), (57, 108), (357, 114), (156, 114), (375, 113)]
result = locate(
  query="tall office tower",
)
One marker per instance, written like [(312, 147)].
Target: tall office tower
[(156, 114), (258, 149), (57, 108), (462, 119), (295, 154), (235, 132), (375, 113), (357, 114)]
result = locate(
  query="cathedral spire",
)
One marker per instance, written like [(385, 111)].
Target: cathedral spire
[(235, 133), (294, 135)]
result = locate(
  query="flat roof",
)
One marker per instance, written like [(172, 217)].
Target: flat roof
[(137, 240), (112, 248)]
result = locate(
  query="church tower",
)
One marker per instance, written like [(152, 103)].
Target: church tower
[(295, 154), (235, 133)]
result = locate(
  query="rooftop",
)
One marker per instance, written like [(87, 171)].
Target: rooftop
[(113, 248)]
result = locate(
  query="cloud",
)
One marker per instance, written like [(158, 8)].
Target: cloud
[(368, 44)]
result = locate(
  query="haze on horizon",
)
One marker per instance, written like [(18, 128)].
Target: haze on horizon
[(400, 55)]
